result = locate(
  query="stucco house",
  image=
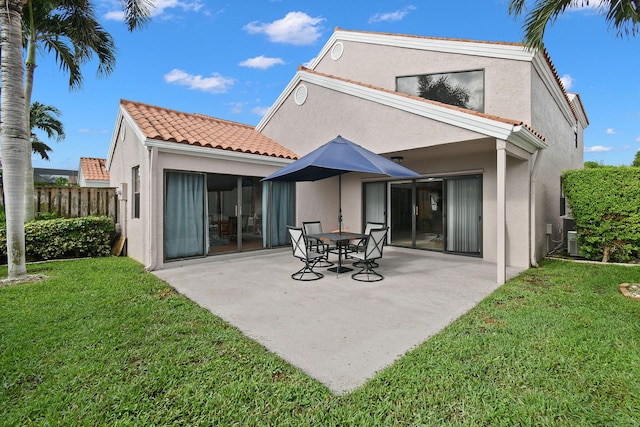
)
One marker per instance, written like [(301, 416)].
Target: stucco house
[(93, 172), (488, 125), (189, 184)]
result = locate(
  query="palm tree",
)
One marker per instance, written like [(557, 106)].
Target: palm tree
[(622, 15), (43, 117), (73, 35), (15, 135)]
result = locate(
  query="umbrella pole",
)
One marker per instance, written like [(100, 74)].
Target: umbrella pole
[(340, 202)]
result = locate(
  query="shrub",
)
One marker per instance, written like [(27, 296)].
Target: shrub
[(65, 238), (604, 205)]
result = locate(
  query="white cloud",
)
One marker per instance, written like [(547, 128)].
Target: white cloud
[(295, 28), (567, 81), (611, 131), (214, 84), (597, 149), (92, 131), (237, 107), (261, 111), (638, 139), (261, 62), (159, 8), (397, 15), (586, 4)]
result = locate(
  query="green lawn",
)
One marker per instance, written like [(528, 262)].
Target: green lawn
[(101, 342)]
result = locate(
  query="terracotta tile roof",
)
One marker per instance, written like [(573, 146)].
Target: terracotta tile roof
[(545, 54), (428, 101), (200, 130), (94, 169)]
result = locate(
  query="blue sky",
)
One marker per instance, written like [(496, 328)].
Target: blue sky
[(232, 60)]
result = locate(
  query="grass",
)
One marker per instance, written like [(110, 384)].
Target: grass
[(101, 342)]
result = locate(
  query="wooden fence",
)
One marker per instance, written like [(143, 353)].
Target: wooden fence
[(75, 202)]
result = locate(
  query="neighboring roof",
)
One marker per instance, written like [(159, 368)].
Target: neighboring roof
[(94, 169), (163, 124)]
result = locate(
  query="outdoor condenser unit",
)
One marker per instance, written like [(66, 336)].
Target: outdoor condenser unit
[(572, 243)]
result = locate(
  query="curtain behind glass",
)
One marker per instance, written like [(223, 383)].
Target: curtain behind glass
[(374, 202), (281, 214), (464, 210), (184, 215)]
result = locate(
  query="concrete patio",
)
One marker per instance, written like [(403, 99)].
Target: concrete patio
[(336, 329)]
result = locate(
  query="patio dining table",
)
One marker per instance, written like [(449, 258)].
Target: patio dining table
[(341, 240)]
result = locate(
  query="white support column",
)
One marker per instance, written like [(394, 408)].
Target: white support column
[(501, 214)]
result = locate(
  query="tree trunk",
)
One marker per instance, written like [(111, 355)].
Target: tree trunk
[(30, 66), (14, 136)]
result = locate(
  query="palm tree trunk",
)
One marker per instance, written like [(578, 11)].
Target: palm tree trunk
[(14, 135), (29, 199)]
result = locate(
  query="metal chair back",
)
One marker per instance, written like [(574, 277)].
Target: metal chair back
[(312, 227), (372, 226), (303, 251), (298, 242), (375, 244)]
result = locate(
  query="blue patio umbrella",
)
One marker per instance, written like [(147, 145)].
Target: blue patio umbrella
[(335, 158)]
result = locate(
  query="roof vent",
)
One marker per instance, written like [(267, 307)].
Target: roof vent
[(337, 50), (300, 96)]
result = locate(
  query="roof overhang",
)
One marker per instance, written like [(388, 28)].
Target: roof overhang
[(214, 153)]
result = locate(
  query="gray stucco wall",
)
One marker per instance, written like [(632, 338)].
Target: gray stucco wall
[(128, 153), (507, 83)]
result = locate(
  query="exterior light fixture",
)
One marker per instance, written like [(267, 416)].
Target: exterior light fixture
[(397, 159)]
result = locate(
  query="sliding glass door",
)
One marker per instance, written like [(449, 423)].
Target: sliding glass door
[(417, 214), (234, 213), (206, 214), (441, 214)]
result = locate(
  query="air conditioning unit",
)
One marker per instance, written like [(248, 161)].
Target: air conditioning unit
[(572, 243)]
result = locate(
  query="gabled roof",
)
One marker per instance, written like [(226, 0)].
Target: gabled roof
[(94, 169), (162, 124), (506, 50)]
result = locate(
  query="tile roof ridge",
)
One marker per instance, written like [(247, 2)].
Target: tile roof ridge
[(201, 115), (414, 36), (429, 101)]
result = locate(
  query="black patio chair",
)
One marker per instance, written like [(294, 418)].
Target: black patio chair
[(315, 227), (372, 252), (305, 253), (358, 245)]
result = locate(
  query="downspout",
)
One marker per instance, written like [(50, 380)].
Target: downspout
[(532, 206), (151, 211)]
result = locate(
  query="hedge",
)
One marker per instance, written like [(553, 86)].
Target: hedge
[(65, 238), (605, 203)]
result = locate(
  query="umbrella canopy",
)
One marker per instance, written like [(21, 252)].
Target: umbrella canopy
[(337, 157)]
